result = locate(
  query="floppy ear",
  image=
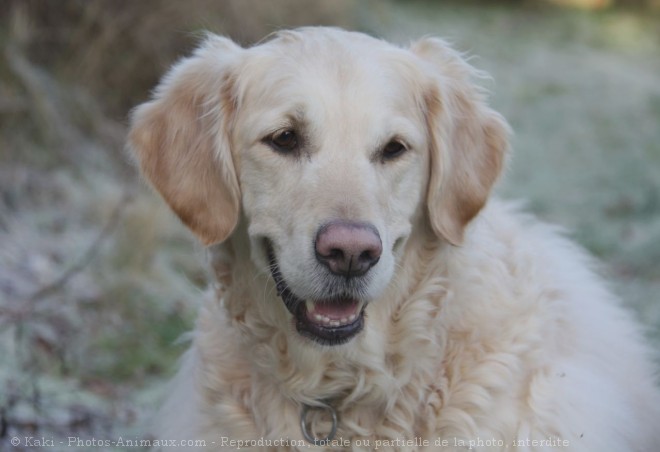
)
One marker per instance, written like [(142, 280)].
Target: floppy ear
[(180, 139), (468, 141)]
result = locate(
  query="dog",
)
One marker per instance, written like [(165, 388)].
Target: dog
[(369, 294)]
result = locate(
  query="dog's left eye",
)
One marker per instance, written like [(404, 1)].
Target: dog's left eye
[(393, 149)]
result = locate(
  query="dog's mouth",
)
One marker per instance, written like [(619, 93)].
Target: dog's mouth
[(331, 321)]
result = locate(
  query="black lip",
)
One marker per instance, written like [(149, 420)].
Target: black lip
[(291, 302), (321, 334)]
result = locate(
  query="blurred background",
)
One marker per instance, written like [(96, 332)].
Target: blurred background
[(98, 281)]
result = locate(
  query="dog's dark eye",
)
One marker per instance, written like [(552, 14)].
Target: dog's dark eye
[(285, 141), (393, 149)]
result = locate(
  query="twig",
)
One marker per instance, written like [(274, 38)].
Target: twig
[(46, 99), (88, 256), (53, 106)]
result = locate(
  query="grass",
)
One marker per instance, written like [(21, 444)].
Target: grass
[(581, 90)]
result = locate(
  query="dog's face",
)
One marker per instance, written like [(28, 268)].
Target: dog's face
[(333, 145), (332, 170)]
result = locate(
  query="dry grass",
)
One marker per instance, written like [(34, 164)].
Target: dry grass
[(117, 49), (86, 356)]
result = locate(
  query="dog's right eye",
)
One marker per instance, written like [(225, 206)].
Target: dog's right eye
[(284, 141)]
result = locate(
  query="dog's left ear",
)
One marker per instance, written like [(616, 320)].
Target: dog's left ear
[(468, 140)]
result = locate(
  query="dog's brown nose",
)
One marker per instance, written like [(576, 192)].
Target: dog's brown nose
[(348, 248)]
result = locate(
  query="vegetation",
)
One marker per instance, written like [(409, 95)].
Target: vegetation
[(98, 281)]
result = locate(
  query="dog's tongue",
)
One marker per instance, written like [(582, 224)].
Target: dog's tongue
[(333, 309)]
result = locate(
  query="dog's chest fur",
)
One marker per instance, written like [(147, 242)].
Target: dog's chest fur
[(489, 343), (408, 376)]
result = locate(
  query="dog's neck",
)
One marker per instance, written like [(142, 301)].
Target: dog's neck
[(401, 321)]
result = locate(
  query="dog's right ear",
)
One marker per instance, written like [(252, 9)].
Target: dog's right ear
[(181, 141)]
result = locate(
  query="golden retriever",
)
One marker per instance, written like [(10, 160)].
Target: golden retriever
[(369, 294)]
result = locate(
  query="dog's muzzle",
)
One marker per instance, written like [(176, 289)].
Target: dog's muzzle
[(331, 321)]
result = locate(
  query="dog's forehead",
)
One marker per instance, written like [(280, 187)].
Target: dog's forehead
[(325, 46), (336, 57), (332, 72)]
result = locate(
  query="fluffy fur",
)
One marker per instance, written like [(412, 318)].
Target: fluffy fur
[(485, 329)]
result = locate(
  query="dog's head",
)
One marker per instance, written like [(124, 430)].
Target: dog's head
[(332, 145)]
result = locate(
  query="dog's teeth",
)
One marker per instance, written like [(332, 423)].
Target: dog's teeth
[(309, 305), (327, 321)]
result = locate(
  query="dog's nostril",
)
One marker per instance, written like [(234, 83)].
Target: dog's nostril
[(348, 248), (335, 253), (366, 256)]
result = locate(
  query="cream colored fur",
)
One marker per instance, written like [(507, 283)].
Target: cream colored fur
[(484, 327)]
